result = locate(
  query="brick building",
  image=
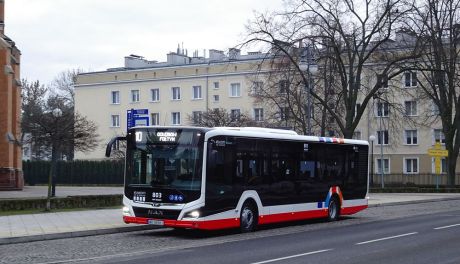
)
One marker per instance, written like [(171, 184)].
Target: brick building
[(10, 109)]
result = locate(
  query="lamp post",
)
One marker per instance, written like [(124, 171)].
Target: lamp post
[(310, 68), (380, 112), (381, 147), (371, 181)]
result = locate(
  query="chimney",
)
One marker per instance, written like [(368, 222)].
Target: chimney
[(2, 17)]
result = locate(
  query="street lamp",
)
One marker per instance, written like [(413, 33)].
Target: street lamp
[(371, 181), (306, 65), (56, 114)]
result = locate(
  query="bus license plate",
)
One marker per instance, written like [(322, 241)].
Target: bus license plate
[(156, 222)]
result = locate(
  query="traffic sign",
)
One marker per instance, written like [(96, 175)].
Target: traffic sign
[(437, 151)]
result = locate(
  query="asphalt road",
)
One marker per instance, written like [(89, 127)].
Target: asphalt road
[(413, 233), (421, 239)]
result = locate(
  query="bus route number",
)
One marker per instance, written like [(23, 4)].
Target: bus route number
[(138, 136)]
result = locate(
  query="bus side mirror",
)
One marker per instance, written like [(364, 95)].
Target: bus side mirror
[(109, 147)]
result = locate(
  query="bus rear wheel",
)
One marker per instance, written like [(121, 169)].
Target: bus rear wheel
[(334, 209), (248, 217)]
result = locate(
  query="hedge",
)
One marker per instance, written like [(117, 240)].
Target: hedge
[(78, 172)]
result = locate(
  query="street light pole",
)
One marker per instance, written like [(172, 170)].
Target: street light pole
[(371, 181), (381, 144)]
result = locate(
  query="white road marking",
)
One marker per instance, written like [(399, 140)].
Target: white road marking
[(386, 238), (444, 227), (293, 256)]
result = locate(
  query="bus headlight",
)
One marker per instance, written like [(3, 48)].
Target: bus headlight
[(193, 214), (126, 211)]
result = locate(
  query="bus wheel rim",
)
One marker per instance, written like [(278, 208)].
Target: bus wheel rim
[(332, 210), (247, 217)]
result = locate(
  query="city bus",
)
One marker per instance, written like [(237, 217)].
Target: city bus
[(239, 177)]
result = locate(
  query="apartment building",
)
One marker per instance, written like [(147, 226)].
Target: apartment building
[(183, 87), (173, 92)]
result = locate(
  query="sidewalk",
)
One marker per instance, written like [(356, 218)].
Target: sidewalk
[(45, 226)]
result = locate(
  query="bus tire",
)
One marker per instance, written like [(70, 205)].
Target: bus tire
[(248, 217), (333, 212)]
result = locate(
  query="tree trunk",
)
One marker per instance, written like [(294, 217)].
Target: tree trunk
[(451, 166)]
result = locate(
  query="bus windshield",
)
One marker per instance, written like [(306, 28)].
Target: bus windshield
[(170, 165)]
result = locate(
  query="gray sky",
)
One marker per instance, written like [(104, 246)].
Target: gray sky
[(57, 35)]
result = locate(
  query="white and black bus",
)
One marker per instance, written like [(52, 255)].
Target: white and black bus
[(215, 178)]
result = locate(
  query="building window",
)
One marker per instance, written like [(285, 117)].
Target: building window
[(434, 109), (382, 137), (410, 108), (411, 137), (135, 96), (155, 119), (383, 109), (175, 118), (386, 166), (257, 88), (284, 113), (197, 92), (410, 165), (438, 136), (155, 93), (258, 114), (357, 107), (283, 86), (357, 135), (115, 121), (410, 79), (216, 98), (216, 85), (235, 114), (115, 97), (116, 145), (443, 165), (197, 117), (384, 82), (235, 90), (175, 93)]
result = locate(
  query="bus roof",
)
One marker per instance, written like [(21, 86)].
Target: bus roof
[(261, 132)]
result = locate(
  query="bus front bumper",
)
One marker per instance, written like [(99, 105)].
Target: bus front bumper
[(198, 224)]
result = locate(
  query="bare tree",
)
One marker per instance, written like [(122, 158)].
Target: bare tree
[(220, 117), (436, 23), (348, 37)]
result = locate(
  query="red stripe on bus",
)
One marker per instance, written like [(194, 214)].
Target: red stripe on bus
[(352, 209), (292, 216), (235, 222)]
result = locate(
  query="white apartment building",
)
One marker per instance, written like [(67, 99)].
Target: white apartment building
[(171, 91), (184, 86)]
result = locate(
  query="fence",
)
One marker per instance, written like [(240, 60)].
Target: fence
[(75, 172), (412, 180)]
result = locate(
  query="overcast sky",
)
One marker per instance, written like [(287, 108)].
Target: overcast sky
[(93, 35)]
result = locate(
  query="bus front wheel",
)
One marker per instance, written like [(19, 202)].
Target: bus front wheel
[(248, 217), (334, 209)]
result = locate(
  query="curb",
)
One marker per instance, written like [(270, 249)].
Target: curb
[(414, 202), (105, 231)]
